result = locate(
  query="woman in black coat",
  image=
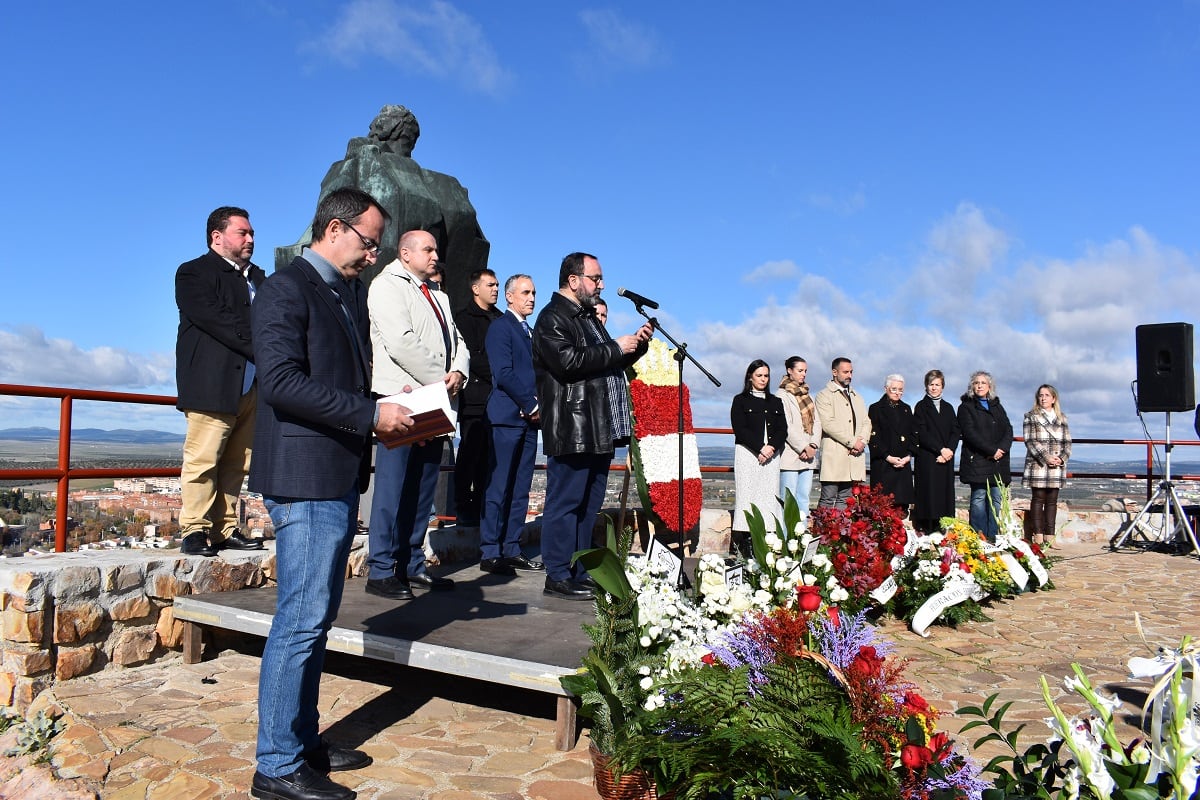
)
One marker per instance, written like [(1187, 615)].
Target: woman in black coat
[(987, 436), (893, 444), (759, 431), (937, 439)]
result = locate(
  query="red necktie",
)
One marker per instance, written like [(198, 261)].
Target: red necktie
[(438, 313)]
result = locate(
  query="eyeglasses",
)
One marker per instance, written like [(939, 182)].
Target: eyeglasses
[(370, 245), (596, 278)]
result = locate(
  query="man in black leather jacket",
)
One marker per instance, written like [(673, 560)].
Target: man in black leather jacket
[(585, 415)]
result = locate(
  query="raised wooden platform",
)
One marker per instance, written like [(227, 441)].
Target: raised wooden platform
[(490, 628)]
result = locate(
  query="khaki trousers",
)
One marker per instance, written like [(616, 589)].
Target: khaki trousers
[(216, 456)]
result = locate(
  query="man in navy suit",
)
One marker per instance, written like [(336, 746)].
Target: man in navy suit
[(311, 461), (513, 413), (214, 377)]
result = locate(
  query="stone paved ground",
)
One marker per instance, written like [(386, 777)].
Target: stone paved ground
[(171, 730)]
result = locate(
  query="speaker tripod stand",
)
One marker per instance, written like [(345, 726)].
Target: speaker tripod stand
[(1176, 530)]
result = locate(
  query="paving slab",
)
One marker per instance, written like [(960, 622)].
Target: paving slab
[(174, 730)]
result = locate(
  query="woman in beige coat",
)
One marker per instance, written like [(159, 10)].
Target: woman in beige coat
[(799, 455)]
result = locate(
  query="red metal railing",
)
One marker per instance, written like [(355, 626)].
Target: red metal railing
[(63, 473)]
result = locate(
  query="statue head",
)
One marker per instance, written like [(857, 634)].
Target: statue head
[(395, 129)]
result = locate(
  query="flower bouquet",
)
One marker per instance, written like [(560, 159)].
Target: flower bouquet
[(944, 576), (1027, 558), (1084, 758), (795, 703), (863, 539), (751, 688)]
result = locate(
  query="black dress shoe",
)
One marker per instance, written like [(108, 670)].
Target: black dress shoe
[(588, 581), (427, 581), (196, 544), (523, 563), (303, 784), (331, 758), (236, 541), (496, 566), (567, 589), (392, 588)]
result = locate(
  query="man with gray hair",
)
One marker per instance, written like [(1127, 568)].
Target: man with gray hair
[(513, 414)]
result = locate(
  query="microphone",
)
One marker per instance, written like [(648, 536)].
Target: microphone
[(637, 298)]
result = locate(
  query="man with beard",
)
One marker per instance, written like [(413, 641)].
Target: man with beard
[(585, 415), (214, 363), (845, 430)]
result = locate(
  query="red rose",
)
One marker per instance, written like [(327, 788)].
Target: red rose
[(939, 743), (915, 756), (915, 704), (708, 658), (835, 617), (809, 598)]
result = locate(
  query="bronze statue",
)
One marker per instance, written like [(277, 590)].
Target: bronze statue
[(381, 164)]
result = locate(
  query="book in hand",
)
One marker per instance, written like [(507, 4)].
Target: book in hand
[(429, 406)]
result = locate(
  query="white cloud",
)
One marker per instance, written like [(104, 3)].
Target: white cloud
[(620, 42), (961, 249), (1066, 321), (28, 357), (436, 40), (772, 271)]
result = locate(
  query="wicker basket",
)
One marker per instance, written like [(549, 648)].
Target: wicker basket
[(634, 786)]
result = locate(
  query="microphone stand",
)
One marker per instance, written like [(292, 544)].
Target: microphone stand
[(681, 353)]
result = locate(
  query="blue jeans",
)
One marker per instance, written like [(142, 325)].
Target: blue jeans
[(312, 545), (575, 486), (405, 484), (981, 517), (799, 483)]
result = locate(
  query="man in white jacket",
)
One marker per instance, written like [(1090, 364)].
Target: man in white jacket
[(415, 343)]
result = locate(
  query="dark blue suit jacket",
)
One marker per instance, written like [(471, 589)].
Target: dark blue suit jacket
[(315, 412), (510, 354)]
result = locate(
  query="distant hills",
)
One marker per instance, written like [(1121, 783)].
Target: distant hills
[(96, 435), (709, 456)]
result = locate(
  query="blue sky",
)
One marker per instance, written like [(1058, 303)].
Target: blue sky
[(1005, 186)]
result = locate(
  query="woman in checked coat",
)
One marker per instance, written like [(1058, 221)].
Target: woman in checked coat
[(1047, 448)]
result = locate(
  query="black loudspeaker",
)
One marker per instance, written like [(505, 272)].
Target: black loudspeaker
[(1165, 377)]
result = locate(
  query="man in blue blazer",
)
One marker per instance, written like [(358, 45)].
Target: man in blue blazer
[(214, 378), (513, 413), (311, 461)]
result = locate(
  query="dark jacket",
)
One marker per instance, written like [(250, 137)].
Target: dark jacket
[(572, 383), (893, 433), (473, 322), (214, 341), (515, 395), (315, 413), (984, 431), (751, 416)]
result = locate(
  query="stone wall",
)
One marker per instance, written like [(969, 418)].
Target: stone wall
[(67, 614)]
